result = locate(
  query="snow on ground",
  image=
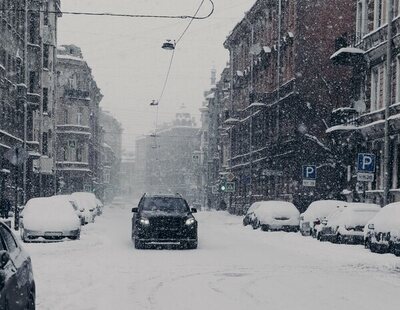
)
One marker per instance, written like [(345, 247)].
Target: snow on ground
[(234, 268)]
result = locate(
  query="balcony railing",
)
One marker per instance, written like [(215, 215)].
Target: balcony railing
[(77, 93)]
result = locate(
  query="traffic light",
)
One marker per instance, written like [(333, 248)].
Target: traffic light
[(222, 186)]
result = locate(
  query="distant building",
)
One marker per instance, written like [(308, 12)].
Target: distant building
[(111, 160), (79, 140), (165, 160), (127, 175)]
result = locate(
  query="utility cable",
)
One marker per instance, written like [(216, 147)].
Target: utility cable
[(110, 14)]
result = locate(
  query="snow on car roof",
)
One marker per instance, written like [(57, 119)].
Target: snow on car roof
[(388, 219), (322, 208), (276, 208)]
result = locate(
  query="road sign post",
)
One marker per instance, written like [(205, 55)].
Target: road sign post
[(17, 156), (230, 187), (309, 175), (366, 164)]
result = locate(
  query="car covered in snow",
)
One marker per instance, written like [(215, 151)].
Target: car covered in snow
[(315, 213), (249, 218), (277, 215), (347, 224), (87, 202), (164, 220), (382, 233), (49, 218), (79, 211), (17, 285)]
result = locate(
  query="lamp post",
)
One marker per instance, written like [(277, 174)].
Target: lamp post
[(388, 102)]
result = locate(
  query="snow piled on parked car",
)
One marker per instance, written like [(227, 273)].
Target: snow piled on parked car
[(322, 208), (388, 219), (52, 213), (269, 212)]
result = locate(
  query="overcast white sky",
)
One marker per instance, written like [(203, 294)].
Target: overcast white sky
[(129, 64)]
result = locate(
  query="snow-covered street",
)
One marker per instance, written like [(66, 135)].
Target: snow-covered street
[(234, 268)]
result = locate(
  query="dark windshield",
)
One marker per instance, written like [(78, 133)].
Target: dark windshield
[(165, 204)]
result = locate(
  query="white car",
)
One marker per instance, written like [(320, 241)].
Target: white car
[(382, 233), (315, 213), (49, 219), (347, 224), (86, 201), (277, 215), (250, 216), (79, 211)]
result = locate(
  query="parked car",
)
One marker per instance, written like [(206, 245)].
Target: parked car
[(347, 224), (277, 215), (17, 285), (99, 207), (49, 218), (164, 220), (250, 216), (87, 202), (382, 233), (315, 213), (79, 211)]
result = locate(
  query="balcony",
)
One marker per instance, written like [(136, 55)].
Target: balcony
[(33, 99), (348, 56), (73, 129), (77, 93), (73, 166)]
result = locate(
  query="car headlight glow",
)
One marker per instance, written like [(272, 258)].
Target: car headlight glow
[(190, 221), (144, 221)]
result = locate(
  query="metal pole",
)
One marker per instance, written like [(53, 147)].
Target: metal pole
[(278, 78), (16, 208), (386, 183), (24, 175)]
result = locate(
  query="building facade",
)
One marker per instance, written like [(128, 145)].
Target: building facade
[(28, 39), (282, 88), (79, 138), (358, 125)]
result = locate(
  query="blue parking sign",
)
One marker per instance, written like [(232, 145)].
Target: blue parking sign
[(366, 163), (309, 172)]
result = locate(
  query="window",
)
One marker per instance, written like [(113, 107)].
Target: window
[(45, 100), (361, 27), (66, 116), (379, 13), (398, 78), (79, 154), (32, 81), (378, 87), (79, 117), (46, 14), (45, 144), (8, 239), (46, 51), (72, 150)]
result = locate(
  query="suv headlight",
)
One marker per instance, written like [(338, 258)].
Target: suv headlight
[(190, 221), (144, 221)]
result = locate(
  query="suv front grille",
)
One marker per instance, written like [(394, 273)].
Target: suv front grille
[(166, 222)]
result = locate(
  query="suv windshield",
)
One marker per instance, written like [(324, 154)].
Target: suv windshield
[(165, 204)]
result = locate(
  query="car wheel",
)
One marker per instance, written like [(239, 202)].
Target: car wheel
[(255, 224), (138, 244), (264, 227), (367, 243), (31, 301), (192, 245), (339, 239)]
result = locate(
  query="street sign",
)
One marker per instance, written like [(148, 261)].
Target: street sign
[(271, 173), (230, 187), (309, 175), (365, 177), (230, 177), (366, 164), (214, 189), (17, 155)]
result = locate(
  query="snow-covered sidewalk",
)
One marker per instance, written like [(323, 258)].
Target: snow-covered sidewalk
[(234, 268)]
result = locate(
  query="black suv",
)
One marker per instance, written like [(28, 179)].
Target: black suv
[(164, 220)]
